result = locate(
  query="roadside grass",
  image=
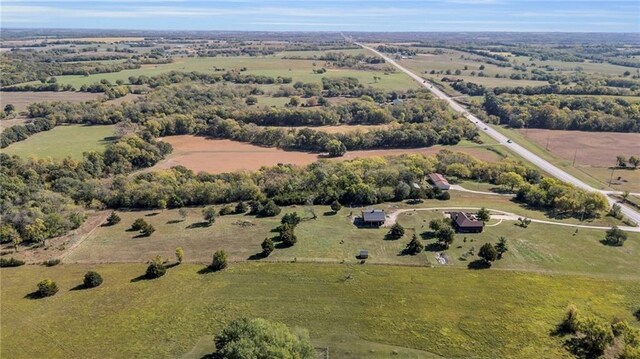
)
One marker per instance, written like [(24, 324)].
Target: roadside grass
[(447, 312), (64, 141), (334, 238), (274, 65)]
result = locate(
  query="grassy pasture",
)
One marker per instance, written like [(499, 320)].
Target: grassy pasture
[(63, 141), (333, 238), (299, 70), (418, 312)]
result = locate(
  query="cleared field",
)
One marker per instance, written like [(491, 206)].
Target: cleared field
[(219, 156), (595, 153), (598, 149), (416, 312), (21, 100), (63, 141), (299, 70), (202, 154)]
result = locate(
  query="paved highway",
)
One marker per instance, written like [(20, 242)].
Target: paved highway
[(528, 155)]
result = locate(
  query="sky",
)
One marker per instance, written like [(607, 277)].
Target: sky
[(332, 15)]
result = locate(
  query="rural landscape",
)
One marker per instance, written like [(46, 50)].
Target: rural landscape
[(303, 194)]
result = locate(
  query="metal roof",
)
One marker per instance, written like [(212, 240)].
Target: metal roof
[(373, 215), (437, 178)]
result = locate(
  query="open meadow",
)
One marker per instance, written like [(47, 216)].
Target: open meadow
[(64, 141), (273, 65), (354, 310)]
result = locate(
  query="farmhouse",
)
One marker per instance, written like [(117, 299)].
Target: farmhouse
[(439, 181), (463, 224), (373, 217)]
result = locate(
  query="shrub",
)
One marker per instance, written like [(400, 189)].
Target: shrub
[(396, 231), (445, 236), (488, 253), (336, 206), (219, 261), (267, 247), (179, 254), (11, 262), (259, 338), (138, 224), (46, 288), (227, 210), (414, 246), (51, 262), (484, 214), (147, 230), (291, 219), (114, 219), (444, 196), (209, 214), (615, 237), (156, 268), (270, 209), (241, 207), (287, 235), (92, 279)]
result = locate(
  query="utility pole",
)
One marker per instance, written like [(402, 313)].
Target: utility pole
[(574, 158), (547, 143), (611, 178)]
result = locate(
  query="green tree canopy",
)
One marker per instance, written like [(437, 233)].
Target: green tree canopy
[(261, 339)]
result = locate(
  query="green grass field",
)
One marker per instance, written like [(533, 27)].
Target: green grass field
[(299, 70), (415, 312), (63, 141), (333, 238)]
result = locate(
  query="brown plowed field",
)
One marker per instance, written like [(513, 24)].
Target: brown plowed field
[(598, 149), (219, 156)]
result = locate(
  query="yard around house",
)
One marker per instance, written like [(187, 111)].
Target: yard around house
[(354, 310), (63, 141), (334, 238)]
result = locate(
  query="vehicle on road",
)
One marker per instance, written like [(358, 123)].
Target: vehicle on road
[(509, 141)]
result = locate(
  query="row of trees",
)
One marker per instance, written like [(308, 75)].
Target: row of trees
[(564, 113)]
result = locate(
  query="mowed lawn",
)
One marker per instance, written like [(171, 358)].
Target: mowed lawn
[(63, 141), (275, 65), (376, 312), (333, 238)]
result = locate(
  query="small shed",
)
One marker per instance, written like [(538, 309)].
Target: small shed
[(373, 217), (363, 254), (464, 224), (439, 181)]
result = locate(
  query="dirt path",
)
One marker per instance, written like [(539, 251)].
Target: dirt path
[(500, 215), (60, 247), (456, 187)]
